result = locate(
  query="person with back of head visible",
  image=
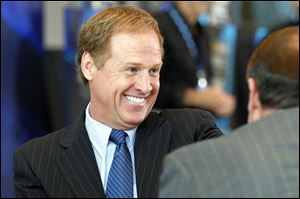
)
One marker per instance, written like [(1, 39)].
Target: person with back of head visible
[(261, 158), (116, 147)]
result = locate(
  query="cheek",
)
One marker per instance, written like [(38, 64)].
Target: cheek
[(156, 84), (104, 87)]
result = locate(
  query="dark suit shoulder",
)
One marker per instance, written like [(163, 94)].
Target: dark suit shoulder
[(38, 152), (192, 116), (44, 141), (32, 158), (198, 123), (61, 136), (182, 112)]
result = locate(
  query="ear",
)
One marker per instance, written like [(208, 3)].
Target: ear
[(254, 104), (88, 66)]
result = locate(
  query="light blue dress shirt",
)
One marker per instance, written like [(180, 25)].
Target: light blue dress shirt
[(104, 149)]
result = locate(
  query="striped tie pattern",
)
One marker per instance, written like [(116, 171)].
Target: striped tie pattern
[(120, 179)]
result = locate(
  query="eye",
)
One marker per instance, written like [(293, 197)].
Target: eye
[(132, 70), (155, 71)]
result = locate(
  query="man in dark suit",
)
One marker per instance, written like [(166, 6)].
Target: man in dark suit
[(120, 55), (187, 62), (260, 159)]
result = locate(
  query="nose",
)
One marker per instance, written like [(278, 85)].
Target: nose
[(143, 83)]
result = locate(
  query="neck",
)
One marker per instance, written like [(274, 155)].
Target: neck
[(259, 114), (266, 112)]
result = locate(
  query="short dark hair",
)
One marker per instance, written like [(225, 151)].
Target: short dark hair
[(274, 66)]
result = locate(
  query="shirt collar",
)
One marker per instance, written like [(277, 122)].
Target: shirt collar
[(99, 133)]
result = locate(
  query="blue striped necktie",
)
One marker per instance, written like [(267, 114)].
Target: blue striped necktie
[(120, 179)]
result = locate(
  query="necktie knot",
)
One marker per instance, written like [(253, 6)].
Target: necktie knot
[(118, 136)]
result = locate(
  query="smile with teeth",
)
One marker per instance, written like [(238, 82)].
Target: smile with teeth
[(136, 100)]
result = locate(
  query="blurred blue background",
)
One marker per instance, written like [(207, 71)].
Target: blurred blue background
[(39, 89)]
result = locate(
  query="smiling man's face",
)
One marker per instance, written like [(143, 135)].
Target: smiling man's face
[(125, 89)]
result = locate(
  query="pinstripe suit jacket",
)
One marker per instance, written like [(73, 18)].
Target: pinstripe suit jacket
[(62, 164), (257, 160)]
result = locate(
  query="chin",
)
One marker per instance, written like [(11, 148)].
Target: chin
[(136, 119), (135, 116)]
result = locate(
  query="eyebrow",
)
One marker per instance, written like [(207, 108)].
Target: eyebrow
[(133, 63), (140, 64)]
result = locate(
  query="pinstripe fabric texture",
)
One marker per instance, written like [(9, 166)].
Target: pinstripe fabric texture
[(256, 160), (120, 178), (62, 164)]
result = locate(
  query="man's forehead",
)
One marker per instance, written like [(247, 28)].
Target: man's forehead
[(136, 39), (141, 57)]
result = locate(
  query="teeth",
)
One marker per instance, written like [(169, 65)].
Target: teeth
[(135, 99)]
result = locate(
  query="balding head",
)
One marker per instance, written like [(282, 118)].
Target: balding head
[(273, 73), (274, 66), (280, 52)]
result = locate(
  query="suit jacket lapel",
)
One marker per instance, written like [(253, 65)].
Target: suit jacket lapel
[(78, 164), (151, 145)]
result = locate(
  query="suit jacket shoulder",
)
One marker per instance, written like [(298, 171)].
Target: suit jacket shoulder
[(60, 165), (163, 132), (197, 122), (185, 125), (256, 160)]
